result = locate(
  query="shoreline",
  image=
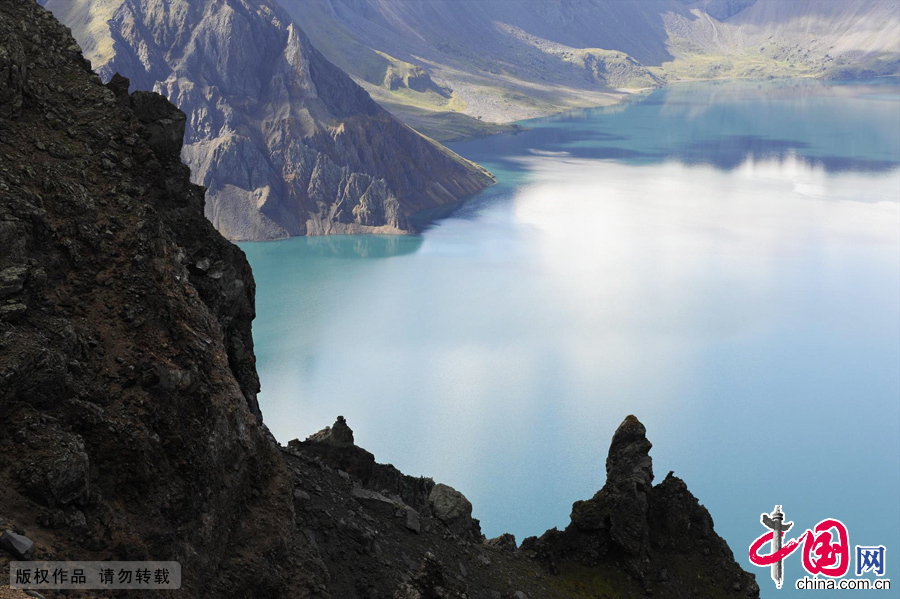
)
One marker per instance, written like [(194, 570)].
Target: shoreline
[(627, 94)]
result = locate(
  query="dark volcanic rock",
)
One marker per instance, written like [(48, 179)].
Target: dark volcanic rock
[(58, 472), (631, 523), (506, 541), (451, 507), (339, 435), (430, 582), (335, 446), (127, 377), (226, 285), (12, 73), (19, 546), (620, 508)]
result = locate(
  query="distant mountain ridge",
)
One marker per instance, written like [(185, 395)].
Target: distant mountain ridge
[(834, 39), (286, 143), (504, 60)]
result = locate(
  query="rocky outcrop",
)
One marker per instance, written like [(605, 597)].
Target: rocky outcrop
[(335, 446), (645, 539), (285, 142), (650, 531), (451, 507), (128, 421)]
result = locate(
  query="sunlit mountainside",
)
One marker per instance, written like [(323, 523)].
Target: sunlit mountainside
[(452, 68)]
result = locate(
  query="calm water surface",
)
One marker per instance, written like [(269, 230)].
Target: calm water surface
[(722, 260)]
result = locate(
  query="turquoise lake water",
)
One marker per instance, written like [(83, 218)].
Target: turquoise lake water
[(720, 259)]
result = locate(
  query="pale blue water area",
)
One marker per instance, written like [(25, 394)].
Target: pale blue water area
[(720, 259)]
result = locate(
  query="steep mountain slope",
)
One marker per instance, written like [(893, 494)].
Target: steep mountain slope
[(285, 142), (761, 38), (503, 60), (128, 423), (495, 61)]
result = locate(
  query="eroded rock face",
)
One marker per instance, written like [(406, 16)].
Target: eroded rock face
[(620, 508), (128, 424), (506, 541), (451, 507), (286, 143), (226, 285), (12, 71), (632, 524), (339, 435)]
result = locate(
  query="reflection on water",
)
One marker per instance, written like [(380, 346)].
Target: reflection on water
[(749, 314), (270, 254), (841, 127)]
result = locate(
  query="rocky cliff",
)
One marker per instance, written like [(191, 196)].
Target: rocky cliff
[(128, 419), (285, 142), (128, 423)]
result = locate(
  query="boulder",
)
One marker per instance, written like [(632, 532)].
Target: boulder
[(451, 507), (19, 546)]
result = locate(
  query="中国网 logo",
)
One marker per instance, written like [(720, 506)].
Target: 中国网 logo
[(825, 551)]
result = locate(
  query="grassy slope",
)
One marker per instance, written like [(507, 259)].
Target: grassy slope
[(845, 38)]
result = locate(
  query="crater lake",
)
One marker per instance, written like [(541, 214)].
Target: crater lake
[(720, 259)]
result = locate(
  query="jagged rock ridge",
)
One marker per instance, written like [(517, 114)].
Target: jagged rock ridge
[(285, 142), (638, 537)]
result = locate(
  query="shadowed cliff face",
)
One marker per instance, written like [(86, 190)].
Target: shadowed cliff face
[(284, 141), (128, 421)]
